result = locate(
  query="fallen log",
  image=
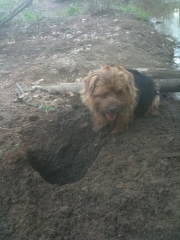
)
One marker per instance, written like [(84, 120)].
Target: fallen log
[(160, 73), (168, 85), (167, 80), (163, 85)]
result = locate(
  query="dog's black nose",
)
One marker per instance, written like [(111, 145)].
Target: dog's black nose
[(112, 108)]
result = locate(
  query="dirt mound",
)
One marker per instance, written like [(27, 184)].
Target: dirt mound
[(112, 187)]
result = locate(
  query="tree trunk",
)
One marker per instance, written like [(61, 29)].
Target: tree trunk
[(19, 9)]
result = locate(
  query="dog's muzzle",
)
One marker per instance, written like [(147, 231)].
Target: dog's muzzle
[(112, 113)]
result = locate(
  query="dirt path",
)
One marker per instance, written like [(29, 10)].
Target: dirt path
[(60, 180)]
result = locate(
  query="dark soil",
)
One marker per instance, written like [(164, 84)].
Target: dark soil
[(59, 179)]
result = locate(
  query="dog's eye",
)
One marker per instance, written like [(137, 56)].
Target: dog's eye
[(103, 94), (119, 92)]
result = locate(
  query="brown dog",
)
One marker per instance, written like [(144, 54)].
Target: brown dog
[(116, 95)]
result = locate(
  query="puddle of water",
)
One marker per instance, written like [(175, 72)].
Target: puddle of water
[(165, 15), (177, 55), (170, 24)]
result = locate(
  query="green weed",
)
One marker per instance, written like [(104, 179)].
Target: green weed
[(47, 108), (28, 15), (13, 146), (6, 6), (73, 10), (39, 222), (135, 10), (16, 146)]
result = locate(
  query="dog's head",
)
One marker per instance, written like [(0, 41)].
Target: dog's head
[(109, 91)]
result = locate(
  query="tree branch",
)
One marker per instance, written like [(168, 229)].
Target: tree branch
[(16, 11)]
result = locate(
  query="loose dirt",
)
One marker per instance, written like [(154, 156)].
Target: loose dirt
[(59, 179)]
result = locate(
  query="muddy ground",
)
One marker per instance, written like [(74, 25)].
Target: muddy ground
[(59, 179)]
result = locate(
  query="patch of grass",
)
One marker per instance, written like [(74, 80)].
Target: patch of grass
[(28, 15), (6, 7), (47, 108), (16, 146), (73, 10), (8, 4), (13, 146), (135, 10)]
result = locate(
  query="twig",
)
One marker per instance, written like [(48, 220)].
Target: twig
[(29, 104), (20, 88), (19, 92)]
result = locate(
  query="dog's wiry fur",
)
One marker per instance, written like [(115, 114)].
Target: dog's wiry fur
[(116, 95)]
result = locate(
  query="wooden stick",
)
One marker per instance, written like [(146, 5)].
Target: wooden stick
[(61, 88), (20, 88), (19, 92)]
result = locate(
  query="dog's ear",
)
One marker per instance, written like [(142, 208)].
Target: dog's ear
[(90, 83), (108, 67), (121, 69)]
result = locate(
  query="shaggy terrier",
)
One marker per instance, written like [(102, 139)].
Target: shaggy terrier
[(115, 95)]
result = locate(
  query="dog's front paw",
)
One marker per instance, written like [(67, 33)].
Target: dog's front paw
[(99, 122)]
